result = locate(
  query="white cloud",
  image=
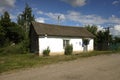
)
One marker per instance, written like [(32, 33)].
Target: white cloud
[(12, 16), (9, 3), (2, 9), (4, 4), (75, 3), (55, 16), (85, 19), (117, 27), (116, 2), (91, 19), (115, 30), (100, 28), (51, 15), (40, 19), (80, 18), (39, 12), (114, 19)]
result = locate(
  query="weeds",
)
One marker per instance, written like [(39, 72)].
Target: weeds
[(20, 61)]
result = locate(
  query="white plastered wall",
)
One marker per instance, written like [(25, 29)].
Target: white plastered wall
[(56, 45)]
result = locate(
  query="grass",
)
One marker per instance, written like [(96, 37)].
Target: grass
[(10, 62)]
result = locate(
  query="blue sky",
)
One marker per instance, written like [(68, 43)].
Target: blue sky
[(103, 13)]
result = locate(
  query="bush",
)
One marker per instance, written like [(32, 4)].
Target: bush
[(46, 52), (68, 50), (20, 48), (15, 49), (24, 46), (85, 41)]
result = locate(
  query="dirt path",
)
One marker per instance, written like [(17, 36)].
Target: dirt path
[(104, 67)]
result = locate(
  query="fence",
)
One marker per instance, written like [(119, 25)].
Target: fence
[(115, 46), (105, 46)]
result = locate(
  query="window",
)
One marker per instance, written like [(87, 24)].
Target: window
[(65, 43)]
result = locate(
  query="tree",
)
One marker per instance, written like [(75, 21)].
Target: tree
[(25, 18), (6, 17), (117, 39), (12, 30), (2, 36), (92, 29), (6, 24), (16, 33), (100, 37), (103, 39), (5, 20), (85, 43)]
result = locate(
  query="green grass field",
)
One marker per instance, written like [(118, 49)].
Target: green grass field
[(10, 62)]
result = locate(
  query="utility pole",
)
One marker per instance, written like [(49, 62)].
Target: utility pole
[(58, 19)]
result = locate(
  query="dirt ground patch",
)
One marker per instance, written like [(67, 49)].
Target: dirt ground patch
[(103, 67)]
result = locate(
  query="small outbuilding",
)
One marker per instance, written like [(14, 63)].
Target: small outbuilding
[(56, 37)]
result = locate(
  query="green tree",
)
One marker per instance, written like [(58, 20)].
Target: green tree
[(25, 18), (103, 39), (12, 30), (116, 39), (5, 20), (85, 43), (2, 36), (6, 24), (100, 37), (16, 33), (93, 29)]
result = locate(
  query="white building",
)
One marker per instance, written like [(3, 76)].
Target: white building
[(56, 37)]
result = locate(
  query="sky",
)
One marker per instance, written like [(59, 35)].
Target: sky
[(103, 13)]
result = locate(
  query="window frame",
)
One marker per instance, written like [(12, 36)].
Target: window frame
[(65, 42)]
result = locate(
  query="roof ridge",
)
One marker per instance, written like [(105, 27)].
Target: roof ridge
[(55, 25)]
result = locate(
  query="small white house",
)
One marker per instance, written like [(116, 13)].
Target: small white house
[(56, 37)]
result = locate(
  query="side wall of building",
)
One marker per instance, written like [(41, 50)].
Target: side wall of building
[(57, 48), (34, 48)]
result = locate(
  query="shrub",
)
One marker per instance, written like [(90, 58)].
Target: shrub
[(46, 52), (68, 49), (12, 48), (85, 41), (24, 46)]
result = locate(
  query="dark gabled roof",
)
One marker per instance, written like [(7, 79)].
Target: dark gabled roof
[(60, 31)]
